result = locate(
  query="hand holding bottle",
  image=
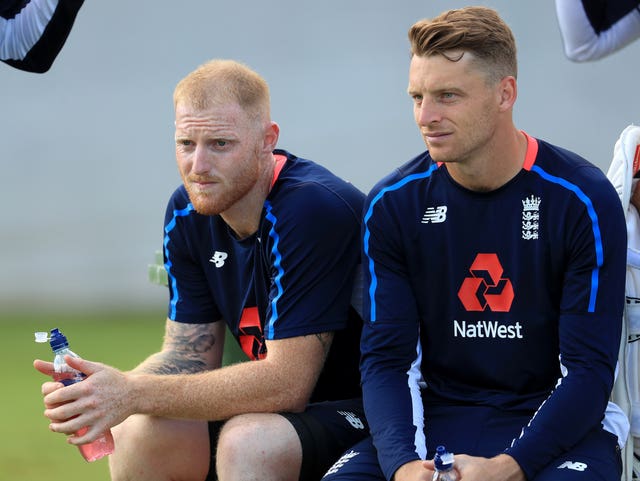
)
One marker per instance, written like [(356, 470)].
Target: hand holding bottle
[(417, 470), (444, 466), (100, 402), (62, 371), (477, 468)]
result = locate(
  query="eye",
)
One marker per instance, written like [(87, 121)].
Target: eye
[(448, 96), (221, 145), (184, 142)]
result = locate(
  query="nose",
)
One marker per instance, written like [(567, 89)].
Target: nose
[(201, 162), (425, 113)]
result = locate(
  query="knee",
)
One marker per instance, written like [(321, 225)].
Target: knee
[(159, 449), (258, 446), (134, 447), (237, 438)]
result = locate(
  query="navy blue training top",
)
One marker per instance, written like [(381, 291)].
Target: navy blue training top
[(511, 299), (294, 277)]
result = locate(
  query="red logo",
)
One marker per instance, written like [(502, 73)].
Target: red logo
[(250, 334), (487, 287)]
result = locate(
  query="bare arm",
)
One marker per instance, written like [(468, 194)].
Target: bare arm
[(283, 381)]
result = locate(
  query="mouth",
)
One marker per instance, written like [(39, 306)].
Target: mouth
[(202, 180), (202, 186), (435, 136)]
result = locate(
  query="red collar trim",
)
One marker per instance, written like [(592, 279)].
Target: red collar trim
[(280, 161), (529, 156), (532, 151)]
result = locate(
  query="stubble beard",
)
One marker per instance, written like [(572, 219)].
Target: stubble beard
[(209, 204), (229, 193)]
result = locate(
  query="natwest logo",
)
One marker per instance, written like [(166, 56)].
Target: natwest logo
[(486, 288)]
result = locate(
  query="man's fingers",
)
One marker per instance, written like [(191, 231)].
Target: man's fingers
[(44, 367)]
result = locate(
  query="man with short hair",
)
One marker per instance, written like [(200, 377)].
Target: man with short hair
[(266, 243), (494, 284)]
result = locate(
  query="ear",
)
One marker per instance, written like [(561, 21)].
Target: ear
[(271, 134), (508, 93)]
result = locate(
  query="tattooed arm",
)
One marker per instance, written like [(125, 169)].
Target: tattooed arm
[(187, 348), (179, 382)]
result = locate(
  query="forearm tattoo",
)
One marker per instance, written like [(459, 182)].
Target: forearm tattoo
[(186, 350)]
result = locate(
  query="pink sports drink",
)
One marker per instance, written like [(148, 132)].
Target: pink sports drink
[(103, 446)]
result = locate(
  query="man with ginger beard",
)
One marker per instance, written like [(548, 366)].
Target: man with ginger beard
[(266, 243)]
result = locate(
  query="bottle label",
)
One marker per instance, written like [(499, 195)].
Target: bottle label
[(68, 378)]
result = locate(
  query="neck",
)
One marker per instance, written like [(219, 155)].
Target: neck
[(498, 163)]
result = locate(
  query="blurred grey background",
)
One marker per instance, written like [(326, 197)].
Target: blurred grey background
[(87, 160)]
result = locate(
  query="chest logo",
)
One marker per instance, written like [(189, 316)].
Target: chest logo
[(218, 258), (486, 288), (435, 215), (530, 217)]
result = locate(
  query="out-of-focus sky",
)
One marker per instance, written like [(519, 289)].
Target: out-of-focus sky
[(87, 155)]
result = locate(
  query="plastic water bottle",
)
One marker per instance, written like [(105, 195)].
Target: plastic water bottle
[(443, 461), (103, 446)]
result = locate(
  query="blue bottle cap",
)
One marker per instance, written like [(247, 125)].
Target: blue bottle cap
[(57, 340), (443, 459)]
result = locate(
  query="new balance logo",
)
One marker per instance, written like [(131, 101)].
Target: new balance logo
[(218, 258), (354, 420), (435, 215), (573, 466)]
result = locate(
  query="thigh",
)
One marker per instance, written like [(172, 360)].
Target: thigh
[(326, 430), (596, 458), (474, 430), (359, 463)]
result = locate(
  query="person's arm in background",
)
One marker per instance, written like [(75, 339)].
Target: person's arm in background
[(593, 29), (32, 33)]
